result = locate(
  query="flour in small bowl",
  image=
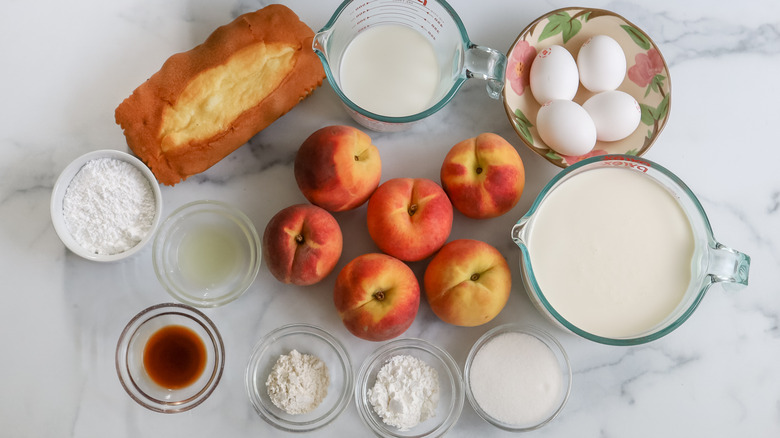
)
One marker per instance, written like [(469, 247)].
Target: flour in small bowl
[(406, 392), (298, 383), (109, 206)]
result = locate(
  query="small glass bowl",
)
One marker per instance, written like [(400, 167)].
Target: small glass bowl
[(206, 253), (560, 355), (130, 360), (306, 339), (451, 396), (61, 187)]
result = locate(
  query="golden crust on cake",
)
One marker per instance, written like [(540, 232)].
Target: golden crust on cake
[(205, 103)]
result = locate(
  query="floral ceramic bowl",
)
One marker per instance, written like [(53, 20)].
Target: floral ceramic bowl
[(647, 78)]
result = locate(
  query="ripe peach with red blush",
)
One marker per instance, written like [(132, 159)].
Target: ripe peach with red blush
[(409, 218), (483, 176), (467, 283), (337, 168), (302, 244), (377, 296)]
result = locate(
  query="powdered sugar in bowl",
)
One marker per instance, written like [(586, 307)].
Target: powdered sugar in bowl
[(106, 205), (447, 401)]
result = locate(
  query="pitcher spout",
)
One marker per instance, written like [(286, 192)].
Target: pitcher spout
[(518, 232), (320, 42)]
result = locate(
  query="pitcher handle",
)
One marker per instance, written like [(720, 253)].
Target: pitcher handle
[(729, 267), (488, 64)]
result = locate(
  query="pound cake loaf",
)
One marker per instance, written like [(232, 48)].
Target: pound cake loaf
[(205, 103)]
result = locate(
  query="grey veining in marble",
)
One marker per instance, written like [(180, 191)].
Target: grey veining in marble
[(65, 66)]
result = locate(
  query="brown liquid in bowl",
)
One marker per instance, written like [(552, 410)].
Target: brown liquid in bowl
[(174, 357)]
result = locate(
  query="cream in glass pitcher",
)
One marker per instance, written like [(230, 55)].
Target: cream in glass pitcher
[(618, 250)]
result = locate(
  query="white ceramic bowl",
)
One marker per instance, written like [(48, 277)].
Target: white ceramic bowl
[(61, 186)]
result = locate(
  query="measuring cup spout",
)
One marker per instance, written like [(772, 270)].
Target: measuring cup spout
[(518, 232), (320, 42), (488, 64), (729, 267)]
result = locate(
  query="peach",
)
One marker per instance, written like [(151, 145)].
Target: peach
[(302, 244), (409, 218), (467, 283), (483, 176), (377, 296), (337, 168)]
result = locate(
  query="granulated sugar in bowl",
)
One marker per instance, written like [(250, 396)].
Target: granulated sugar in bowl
[(106, 205), (517, 377)]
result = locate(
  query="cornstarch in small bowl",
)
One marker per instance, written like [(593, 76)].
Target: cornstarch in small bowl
[(409, 387), (406, 392)]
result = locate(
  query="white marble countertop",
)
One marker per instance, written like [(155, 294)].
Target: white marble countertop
[(67, 65)]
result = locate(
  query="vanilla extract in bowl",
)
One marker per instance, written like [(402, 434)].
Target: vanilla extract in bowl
[(174, 357), (170, 357)]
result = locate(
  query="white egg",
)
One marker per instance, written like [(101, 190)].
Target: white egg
[(554, 75), (566, 127), (601, 64), (616, 114)]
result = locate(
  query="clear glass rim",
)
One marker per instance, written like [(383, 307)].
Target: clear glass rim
[(371, 362), (441, 103), (544, 337), (259, 351), (253, 240), (536, 290), (126, 378)]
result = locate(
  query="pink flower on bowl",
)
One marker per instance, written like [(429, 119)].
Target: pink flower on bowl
[(569, 160), (519, 66), (647, 66)]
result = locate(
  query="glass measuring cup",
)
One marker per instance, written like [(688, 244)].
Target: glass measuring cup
[(711, 262), (458, 58)]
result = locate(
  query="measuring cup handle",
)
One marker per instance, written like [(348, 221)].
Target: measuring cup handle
[(488, 64), (729, 267)]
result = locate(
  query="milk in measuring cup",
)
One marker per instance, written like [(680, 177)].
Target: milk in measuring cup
[(611, 251), (390, 70)]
